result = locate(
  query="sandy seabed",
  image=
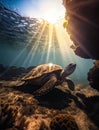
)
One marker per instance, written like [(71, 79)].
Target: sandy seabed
[(20, 110)]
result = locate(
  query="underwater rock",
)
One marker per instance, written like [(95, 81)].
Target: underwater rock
[(2, 68), (13, 72), (93, 76), (6, 117), (82, 23)]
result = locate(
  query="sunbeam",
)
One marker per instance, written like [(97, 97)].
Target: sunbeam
[(36, 45), (43, 38), (49, 42), (64, 43), (44, 49)]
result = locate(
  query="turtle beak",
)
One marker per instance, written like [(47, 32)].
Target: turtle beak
[(74, 65)]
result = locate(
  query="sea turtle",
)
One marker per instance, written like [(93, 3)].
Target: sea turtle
[(47, 76)]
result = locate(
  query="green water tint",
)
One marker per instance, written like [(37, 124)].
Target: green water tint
[(48, 52), (28, 42)]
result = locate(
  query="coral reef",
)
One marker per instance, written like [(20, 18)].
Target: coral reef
[(83, 26), (93, 76), (63, 122)]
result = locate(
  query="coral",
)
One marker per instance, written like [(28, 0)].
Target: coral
[(63, 122), (43, 126), (6, 117)]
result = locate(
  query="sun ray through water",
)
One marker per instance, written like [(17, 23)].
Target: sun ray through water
[(36, 45), (49, 42)]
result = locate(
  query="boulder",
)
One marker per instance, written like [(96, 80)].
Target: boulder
[(93, 76)]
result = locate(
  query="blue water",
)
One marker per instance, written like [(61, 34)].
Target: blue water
[(29, 42), (18, 56)]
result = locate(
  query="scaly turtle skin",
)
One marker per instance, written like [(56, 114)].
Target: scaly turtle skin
[(46, 76)]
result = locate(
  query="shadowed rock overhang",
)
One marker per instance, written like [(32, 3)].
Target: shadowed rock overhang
[(83, 26)]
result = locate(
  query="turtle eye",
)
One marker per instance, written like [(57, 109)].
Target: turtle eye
[(70, 64)]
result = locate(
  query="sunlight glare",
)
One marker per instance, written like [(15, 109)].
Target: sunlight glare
[(50, 65), (51, 17), (51, 11)]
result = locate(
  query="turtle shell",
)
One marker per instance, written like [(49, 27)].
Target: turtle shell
[(42, 70)]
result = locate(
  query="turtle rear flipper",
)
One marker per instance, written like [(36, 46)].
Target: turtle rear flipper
[(50, 84)]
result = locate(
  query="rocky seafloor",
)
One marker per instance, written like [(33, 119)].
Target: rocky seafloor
[(21, 110)]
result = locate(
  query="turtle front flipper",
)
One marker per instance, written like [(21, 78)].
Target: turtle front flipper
[(50, 84), (70, 84)]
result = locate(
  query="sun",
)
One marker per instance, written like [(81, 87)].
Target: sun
[(51, 17), (51, 11)]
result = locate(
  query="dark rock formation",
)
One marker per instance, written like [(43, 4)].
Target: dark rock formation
[(93, 75), (2, 68), (83, 26), (13, 72), (6, 117)]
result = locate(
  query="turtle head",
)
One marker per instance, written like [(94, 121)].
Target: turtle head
[(69, 69)]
